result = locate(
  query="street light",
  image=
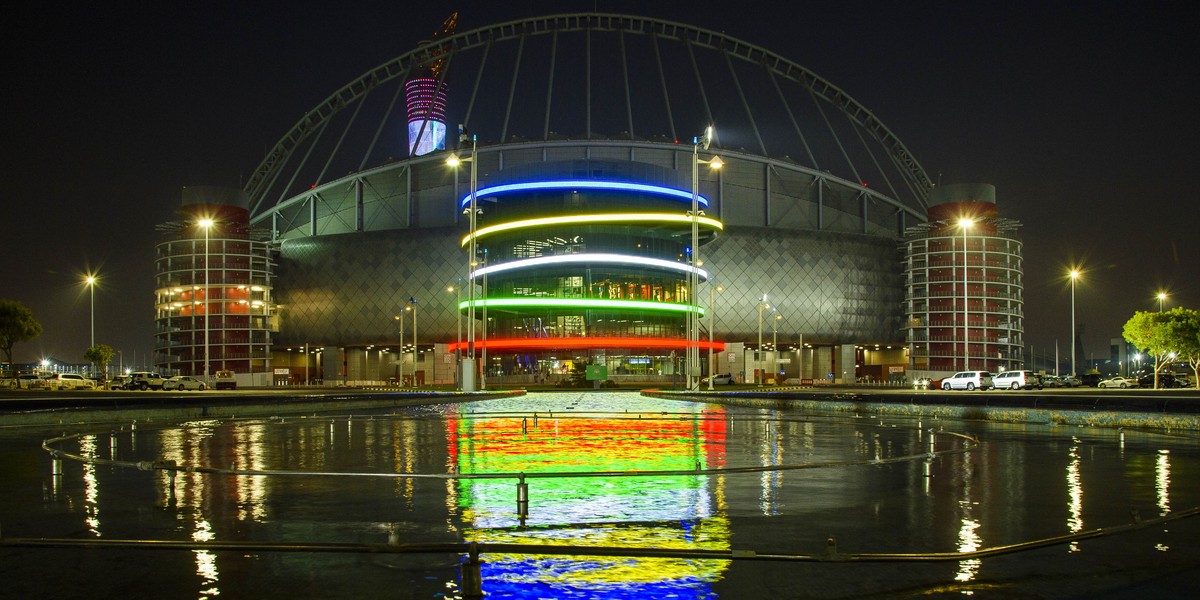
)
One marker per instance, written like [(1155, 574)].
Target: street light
[(775, 347), (1074, 275), (90, 281), (416, 353), (400, 350), (207, 224), (1161, 296), (965, 224), (712, 312), (758, 363), (457, 289), (693, 323), (468, 363)]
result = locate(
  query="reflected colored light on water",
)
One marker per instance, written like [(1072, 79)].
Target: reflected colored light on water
[(666, 512), (1162, 481), (91, 488), (770, 453), (1074, 493), (968, 539), (206, 562), (250, 492)]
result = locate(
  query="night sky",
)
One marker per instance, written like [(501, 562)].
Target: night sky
[(1082, 114)]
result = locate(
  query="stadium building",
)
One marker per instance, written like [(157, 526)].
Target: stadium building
[(586, 223)]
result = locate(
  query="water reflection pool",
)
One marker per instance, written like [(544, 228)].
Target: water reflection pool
[(681, 476)]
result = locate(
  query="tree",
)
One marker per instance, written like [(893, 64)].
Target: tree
[(1163, 335), (1189, 340), (101, 354), (16, 325)]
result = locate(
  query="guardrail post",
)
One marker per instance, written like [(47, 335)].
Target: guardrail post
[(472, 578), (522, 498), (169, 465), (55, 465)]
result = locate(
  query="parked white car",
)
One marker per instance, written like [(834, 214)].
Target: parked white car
[(183, 382), (1017, 380), (968, 380), (70, 381), (1118, 382)]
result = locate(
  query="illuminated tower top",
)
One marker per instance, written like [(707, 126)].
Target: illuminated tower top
[(425, 96)]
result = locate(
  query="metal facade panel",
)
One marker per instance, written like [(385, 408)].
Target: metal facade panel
[(830, 288), (346, 289)]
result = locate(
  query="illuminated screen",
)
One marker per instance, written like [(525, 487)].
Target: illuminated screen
[(434, 138)]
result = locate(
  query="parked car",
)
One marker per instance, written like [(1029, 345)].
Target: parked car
[(719, 379), (183, 382), (1090, 379), (1017, 380), (1117, 382), (1165, 380), (968, 380), (30, 381), (226, 381), (1071, 381), (1051, 381), (69, 381), (144, 380)]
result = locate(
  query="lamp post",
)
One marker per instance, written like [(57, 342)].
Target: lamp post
[(400, 350), (758, 363), (412, 301), (965, 224), (206, 224), (775, 347), (457, 348), (693, 323), (483, 371), (90, 281), (468, 363), (1074, 275), (712, 312), (1161, 296)]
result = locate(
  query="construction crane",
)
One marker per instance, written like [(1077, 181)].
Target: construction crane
[(435, 59)]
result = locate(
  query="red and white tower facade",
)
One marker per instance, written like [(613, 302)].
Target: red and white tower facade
[(213, 281), (964, 300)]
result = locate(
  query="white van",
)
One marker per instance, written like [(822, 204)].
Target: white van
[(1017, 380), (968, 380), (70, 381)]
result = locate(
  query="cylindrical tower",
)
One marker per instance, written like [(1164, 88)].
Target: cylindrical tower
[(964, 300), (214, 279), (426, 100)]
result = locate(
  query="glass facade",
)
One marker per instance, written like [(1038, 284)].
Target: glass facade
[(572, 266)]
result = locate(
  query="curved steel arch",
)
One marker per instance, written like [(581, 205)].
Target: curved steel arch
[(914, 175)]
